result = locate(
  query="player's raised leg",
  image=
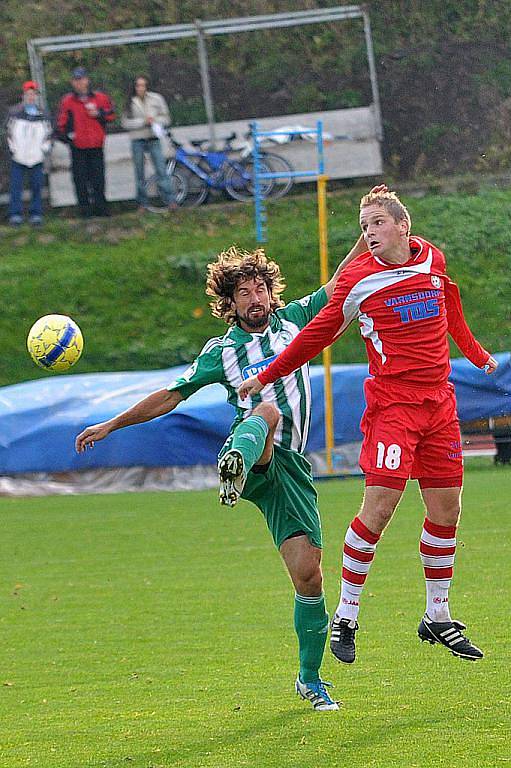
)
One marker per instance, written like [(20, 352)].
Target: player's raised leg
[(303, 562), (251, 443), (437, 551), (359, 549)]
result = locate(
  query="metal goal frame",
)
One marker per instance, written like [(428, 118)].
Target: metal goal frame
[(201, 30)]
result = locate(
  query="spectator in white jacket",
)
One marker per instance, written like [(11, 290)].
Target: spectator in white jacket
[(29, 141), (145, 117)]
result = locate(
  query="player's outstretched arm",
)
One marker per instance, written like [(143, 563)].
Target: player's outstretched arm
[(460, 332), (156, 404), (327, 326), (359, 248)]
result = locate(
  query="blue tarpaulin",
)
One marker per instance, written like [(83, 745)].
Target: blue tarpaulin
[(40, 419)]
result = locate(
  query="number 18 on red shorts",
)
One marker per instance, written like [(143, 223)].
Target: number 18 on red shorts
[(411, 433)]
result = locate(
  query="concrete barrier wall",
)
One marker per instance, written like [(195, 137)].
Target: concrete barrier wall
[(353, 152)]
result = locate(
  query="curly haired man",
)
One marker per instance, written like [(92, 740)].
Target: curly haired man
[(262, 459)]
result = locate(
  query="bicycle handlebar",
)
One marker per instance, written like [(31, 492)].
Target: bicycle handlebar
[(199, 142)]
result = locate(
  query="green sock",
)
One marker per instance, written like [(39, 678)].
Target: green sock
[(311, 625), (249, 438)]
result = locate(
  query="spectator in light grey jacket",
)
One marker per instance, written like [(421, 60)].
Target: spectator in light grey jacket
[(29, 141), (145, 116)]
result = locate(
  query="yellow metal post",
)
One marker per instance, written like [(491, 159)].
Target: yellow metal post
[(327, 356)]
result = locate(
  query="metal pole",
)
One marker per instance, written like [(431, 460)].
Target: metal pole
[(258, 202), (206, 83), (37, 72), (321, 156), (372, 75), (327, 353), (323, 268)]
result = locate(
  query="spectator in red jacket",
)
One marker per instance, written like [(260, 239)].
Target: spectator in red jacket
[(81, 122)]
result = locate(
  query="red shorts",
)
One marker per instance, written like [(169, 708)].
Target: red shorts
[(411, 433)]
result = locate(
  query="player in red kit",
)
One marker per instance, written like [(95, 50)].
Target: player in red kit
[(406, 306)]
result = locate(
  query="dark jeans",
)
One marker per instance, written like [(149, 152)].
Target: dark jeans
[(153, 147), (88, 167), (35, 176)]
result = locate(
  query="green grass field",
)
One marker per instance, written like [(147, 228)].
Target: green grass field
[(155, 630)]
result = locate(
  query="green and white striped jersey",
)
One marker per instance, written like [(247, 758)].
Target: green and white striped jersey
[(230, 359)]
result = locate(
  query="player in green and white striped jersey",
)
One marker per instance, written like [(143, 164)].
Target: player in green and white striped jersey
[(262, 459), (241, 353)]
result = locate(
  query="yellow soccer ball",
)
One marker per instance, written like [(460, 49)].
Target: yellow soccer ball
[(55, 343)]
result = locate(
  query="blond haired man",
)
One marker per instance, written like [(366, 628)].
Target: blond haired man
[(406, 306)]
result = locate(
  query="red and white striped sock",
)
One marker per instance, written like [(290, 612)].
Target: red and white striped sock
[(359, 548), (438, 549)]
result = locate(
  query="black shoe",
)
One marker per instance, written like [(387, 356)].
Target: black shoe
[(449, 633), (231, 473), (342, 639)]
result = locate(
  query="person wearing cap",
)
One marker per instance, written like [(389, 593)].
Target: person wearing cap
[(81, 122), (29, 130)]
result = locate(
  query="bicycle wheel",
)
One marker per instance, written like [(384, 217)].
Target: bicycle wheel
[(278, 164), (239, 180), (197, 189), (155, 202)]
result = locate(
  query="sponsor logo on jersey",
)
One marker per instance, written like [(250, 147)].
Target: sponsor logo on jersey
[(415, 306), (419, 310), (286, 337), (254, 368), (408, 298)]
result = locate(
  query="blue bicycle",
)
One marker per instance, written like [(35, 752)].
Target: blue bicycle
[(204, 171)]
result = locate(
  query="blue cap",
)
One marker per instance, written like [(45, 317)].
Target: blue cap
[(78, 73)]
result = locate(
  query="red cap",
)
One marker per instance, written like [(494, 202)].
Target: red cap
[(30, 85)]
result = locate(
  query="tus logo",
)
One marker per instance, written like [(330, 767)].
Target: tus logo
[(419, 310)]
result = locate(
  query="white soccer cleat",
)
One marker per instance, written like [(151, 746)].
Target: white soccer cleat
[(317, 694), (232, 477)]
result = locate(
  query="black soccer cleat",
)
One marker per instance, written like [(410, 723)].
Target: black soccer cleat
[(232, 477), (449, 634), (342, 639)]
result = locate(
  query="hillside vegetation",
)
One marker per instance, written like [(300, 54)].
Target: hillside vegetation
[(135, 284), (444, 69)]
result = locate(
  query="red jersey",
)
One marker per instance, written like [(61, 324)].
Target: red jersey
[(76, 126), (405, 312)]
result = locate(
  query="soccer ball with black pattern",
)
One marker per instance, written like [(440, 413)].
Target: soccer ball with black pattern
[(55, 343)]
